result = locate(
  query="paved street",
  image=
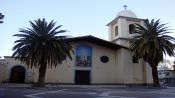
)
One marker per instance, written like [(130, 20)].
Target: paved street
[(87, 92)]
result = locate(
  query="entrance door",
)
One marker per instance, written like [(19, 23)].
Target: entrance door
[(17, 74), (82, 77)]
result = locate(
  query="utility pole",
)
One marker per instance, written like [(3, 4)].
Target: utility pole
[(1, 17)]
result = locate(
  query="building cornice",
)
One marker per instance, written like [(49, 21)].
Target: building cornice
[(128, 18)]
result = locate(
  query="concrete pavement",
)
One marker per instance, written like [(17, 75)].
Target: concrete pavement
[(86, 91)]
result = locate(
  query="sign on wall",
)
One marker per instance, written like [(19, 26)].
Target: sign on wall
[(83, 56)]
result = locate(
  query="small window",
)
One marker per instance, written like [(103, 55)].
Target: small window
[(161, 80), (160, 73), (167, 73), (135, 59), (104, 59), (131, 28), (116, 30)]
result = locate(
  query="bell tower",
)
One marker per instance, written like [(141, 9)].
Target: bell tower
[(121, 28)]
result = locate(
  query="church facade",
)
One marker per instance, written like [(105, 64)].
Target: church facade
[(95, 61)]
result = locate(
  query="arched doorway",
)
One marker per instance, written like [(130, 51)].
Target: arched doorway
[(17, 74)]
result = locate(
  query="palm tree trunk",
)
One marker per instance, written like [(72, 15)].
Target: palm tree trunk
[(41, 78), (155, 77)]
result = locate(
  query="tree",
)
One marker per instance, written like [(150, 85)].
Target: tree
[(150, 43), (40, 47), (1, 17)]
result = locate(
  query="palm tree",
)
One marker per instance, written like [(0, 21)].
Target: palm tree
[(40, 47), (150, 43)]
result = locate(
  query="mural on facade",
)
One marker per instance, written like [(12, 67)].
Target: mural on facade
[(83, 56)]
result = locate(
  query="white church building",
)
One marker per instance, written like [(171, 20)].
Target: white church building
[(95, 61)]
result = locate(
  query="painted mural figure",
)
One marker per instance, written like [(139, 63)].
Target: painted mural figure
[(83, 56)]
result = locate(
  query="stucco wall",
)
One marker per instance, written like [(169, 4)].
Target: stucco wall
[(1, 72), (63, 73), (103, 72), (138, 72), (149, 77), (120, 66), (128, 66), (110, 33), (129, 72), (100, 72), (11, 62), (119, 69)]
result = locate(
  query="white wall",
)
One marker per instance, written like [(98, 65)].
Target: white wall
[(129, 72), (11, 62), (119, 69)]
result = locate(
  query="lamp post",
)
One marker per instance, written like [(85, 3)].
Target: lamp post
[(1, 17)]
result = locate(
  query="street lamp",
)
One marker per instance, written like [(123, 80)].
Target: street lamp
[(1, 17)]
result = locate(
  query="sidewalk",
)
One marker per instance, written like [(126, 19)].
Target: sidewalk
[(54, 85), (15, 85), (90, 86)]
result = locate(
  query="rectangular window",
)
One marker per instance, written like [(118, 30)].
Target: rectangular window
[(135, 59)]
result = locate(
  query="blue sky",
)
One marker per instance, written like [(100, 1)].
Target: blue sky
[(79, 17)]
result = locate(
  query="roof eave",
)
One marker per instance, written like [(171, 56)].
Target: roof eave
[(98, 41), (129, 18)]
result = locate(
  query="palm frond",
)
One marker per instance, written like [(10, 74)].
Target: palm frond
[(151, 41), (40, 44)]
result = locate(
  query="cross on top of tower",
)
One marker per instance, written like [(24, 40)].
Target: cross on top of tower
[(125, 6)]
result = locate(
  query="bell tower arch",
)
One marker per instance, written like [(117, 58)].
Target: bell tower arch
[(121, 28)]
